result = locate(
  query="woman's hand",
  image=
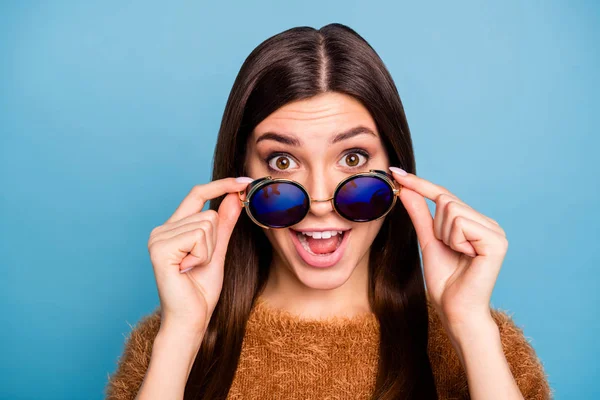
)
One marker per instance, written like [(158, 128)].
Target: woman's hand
[(462, 251), (188, 254)]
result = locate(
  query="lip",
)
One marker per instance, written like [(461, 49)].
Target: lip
[(320, 261), (321, 230)]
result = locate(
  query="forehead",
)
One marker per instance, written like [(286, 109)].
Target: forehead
[(317, 117)]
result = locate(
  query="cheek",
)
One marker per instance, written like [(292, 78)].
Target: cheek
[(277, 237), (368, 232)]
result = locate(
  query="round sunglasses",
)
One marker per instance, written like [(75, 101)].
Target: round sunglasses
[(281, 203)]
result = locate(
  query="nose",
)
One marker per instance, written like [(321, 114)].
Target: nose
[(321, 191)]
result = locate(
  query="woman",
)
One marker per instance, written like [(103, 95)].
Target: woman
[(316, 110)]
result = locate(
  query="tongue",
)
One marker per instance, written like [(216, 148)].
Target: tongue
[(322, 246)]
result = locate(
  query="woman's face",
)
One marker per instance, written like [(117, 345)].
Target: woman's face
[(317, 143)]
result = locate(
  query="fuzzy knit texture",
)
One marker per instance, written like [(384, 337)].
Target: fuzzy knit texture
[(287, 357)]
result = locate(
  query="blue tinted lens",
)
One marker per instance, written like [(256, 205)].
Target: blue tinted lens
[(279, 204), (363, 198)]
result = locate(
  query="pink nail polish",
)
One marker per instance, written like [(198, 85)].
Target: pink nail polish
[(399, 171), (243, 179)]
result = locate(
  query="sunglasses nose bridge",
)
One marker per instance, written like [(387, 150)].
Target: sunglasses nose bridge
[(319, 188), (321, 201), (319, 207)]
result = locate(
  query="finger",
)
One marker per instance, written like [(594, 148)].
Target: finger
[(207, 226), (457, 241), (199, 254), (229, 212), (422, 186), (445, 198), (208, 215), (481, 239), (200, 194), (185, 245), (211, 238), (417, 209), (449, 208), (428, 189)]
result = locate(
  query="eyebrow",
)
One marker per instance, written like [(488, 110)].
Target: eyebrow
[(293, 140)]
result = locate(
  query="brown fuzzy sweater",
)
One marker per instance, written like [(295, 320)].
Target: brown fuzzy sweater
[(286, 357)]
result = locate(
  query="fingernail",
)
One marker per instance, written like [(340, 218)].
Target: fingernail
[(243, 179), (185, 270), (399, 171)]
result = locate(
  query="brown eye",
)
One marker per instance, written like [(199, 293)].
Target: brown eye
[(352, 160), (282, 162)]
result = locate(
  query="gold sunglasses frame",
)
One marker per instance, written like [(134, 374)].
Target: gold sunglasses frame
[(267, 180)]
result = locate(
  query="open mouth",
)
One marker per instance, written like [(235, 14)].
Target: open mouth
[(320, 243), (320, 248)]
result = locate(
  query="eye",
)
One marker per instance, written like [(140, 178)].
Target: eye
[(354, 159), (281, 162)]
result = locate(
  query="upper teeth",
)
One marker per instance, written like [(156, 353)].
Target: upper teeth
[(322, 234)]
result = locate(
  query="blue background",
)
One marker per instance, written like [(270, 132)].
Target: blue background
[(109, 113)]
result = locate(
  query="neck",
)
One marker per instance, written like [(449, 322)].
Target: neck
[(284, 290)]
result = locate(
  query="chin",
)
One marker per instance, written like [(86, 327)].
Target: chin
[(323, 278)]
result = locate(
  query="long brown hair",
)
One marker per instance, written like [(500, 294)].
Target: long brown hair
[(296, 64)]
